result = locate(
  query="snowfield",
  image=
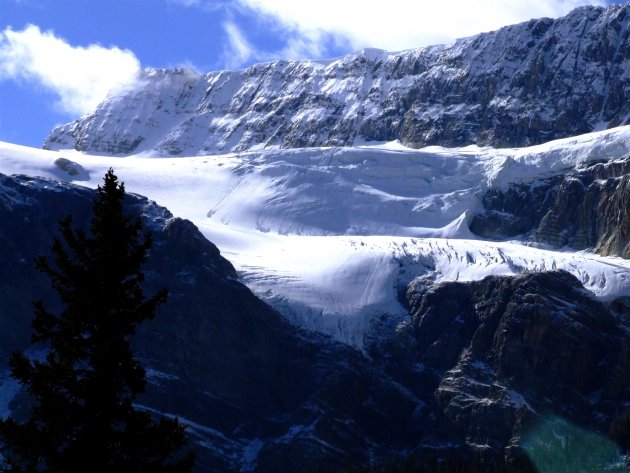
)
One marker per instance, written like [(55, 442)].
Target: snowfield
[(328, 235)]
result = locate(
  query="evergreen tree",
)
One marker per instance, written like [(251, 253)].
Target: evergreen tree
[(83, 419)]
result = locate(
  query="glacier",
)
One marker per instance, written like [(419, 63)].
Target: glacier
[(329, 235)]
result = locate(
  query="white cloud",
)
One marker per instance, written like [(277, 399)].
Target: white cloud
[(81, 77), (237, 50), (401, 24)]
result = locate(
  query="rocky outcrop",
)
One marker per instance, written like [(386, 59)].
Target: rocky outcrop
[(507, 350), (587, 208), (520, 85)]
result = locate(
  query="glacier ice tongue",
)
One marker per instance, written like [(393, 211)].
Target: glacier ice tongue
[(328, 235)]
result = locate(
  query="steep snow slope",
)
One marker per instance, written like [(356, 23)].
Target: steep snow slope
[(329, 235), (520, 85)]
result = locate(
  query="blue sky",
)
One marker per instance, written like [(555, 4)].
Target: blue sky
[(58, 58)]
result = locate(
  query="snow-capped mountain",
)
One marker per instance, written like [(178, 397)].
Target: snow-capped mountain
[(521, 85), (427, 298), (471, 366)]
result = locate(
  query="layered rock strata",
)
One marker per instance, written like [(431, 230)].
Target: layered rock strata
[(521, 85)]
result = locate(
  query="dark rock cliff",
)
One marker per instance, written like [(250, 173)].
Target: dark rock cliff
[(587, 208), (505, 351), (521, 85)]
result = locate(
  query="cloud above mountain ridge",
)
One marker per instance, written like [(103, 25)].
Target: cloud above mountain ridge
[(396, 25), (80, 77)]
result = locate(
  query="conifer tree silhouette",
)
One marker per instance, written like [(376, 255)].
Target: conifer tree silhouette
[(82, 418)]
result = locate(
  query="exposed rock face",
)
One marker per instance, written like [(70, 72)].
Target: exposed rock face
[(260, 394), (520, 85), (588, 208), (506, 350)]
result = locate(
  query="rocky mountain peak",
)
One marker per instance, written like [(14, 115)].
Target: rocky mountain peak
[(520, 85)]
